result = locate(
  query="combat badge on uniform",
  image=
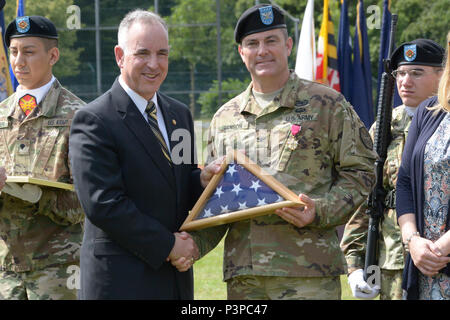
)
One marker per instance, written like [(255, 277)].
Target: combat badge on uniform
[(266, 15), (410, 52), (23, 24)]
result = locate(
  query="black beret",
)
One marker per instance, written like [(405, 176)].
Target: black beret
[(259, 18), (420, 51), (30, 26)]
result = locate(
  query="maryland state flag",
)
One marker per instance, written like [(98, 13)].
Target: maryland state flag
[(327, 64), (241, 190)]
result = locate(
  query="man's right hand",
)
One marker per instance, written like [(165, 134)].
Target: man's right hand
[(184, 252), (360, 288)]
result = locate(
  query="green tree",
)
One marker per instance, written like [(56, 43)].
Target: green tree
[(422, 19), (192, 35), (209, 100), (416, 19)]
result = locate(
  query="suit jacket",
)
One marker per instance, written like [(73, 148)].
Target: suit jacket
[(132, 198)]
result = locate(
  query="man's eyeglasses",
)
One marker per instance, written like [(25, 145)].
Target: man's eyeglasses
[(414, 73)]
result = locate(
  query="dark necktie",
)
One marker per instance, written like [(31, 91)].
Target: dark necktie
[(153, 121)]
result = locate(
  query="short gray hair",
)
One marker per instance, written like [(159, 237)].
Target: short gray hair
[(137, 15)]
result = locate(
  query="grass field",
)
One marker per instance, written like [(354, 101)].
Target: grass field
[(208, 276)]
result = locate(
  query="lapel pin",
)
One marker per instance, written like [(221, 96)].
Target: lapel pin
[(174, 122)]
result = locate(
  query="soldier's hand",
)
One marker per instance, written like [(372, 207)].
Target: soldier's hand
[(28, 192), (183, 264), (2, 177), (299, 216), (210, 170), (360, 288)]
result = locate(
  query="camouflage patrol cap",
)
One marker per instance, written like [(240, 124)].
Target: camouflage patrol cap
[(30, 26), (259, 18), (420, 52)]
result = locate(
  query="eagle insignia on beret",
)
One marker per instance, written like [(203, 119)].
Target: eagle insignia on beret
[(410, 52), (23, 24), (266, 15)]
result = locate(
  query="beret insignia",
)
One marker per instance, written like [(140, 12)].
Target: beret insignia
[(410, 52), (23, 24), (266, 15)]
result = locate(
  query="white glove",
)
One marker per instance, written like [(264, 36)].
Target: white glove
[(28, 192), (360, 288)]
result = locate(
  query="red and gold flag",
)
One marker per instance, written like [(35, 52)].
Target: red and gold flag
[(327, 64)]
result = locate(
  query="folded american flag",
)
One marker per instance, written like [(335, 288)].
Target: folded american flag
[(238, 190)]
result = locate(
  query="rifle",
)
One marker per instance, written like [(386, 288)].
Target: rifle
[(376, 201)]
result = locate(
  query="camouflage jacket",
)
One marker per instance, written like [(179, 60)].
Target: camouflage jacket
[(354, 240), (330, 159), (35, 236)]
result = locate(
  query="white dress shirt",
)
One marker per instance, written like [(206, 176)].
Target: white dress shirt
[(38, 93), (141, 104)]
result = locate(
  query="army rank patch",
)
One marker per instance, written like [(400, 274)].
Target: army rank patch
[(24, 147)]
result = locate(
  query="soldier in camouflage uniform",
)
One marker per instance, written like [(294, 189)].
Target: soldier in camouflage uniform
[(40, 227), (310, 139), (417, 79)]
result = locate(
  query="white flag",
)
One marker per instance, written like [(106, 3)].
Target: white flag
[(305, 65)]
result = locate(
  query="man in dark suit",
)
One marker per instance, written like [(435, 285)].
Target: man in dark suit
[(135, 193)]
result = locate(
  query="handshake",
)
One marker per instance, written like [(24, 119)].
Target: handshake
[(184, 252)]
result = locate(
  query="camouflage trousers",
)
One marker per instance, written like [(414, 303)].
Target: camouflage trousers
[(283, 288), (391, 284), (46, 284)]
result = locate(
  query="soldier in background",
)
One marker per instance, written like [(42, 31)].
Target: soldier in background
[(310, 139), (40, 227), (417, 68)]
